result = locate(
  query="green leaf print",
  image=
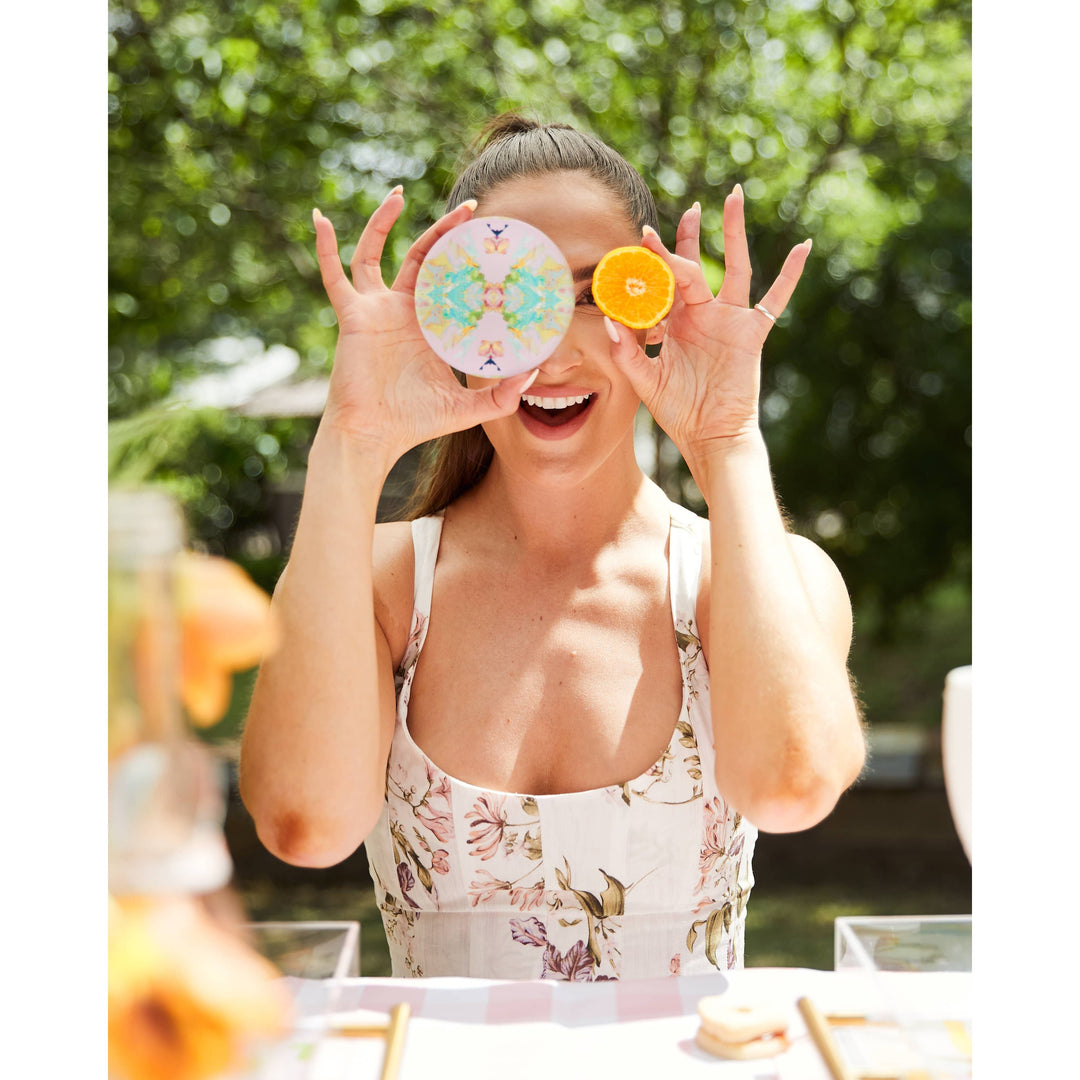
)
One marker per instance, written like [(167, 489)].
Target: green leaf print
[(422, 872), (589, 903), (613, 897), (691, 937), (528, 804), (714, 936)]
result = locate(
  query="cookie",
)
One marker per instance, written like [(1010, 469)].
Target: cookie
[(739, 1023), (767, 1046)]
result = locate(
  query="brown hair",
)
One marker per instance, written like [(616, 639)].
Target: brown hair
[(509, 147)]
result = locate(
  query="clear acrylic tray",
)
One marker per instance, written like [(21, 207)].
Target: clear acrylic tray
[(309, 950), (903, 943)]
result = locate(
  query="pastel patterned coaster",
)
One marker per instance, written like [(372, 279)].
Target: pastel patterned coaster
[(494, 297)]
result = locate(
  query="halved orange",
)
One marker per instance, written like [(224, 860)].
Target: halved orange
[(634, 286)]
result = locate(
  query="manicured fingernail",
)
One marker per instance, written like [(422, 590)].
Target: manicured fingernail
[(737, 190), (648, 230), (809, 244), (316, 215), (696, 207), (398, 189), (532, 379), (470, 203), (610, 326)]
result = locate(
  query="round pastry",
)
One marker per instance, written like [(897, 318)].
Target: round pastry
[(741, 1051), (494, 297), (740, 1031)]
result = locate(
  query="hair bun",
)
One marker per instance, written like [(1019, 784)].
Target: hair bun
[(503, 126)]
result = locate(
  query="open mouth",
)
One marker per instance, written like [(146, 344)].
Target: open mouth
[(555, 411)]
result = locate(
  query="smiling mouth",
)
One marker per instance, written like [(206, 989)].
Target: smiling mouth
[(555, 411)]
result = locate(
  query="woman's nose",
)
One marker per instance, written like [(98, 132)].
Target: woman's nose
[(565, 358)]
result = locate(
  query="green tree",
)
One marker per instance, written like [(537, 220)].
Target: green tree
[(847, 121)]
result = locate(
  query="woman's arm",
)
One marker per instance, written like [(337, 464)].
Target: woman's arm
[(788, 734), (315, 745), (776, 624), (317, 736)]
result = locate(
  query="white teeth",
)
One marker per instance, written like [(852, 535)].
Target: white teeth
[(553, 402)]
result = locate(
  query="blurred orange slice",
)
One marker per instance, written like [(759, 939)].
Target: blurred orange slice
[(226, 625), (186, 998), (634, 286)]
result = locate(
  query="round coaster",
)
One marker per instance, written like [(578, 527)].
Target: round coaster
[(494, 297)]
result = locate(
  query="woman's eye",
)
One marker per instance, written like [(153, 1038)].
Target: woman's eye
[(586, 298)]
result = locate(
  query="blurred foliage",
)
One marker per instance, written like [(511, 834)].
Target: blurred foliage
[(847, 121), (219, 465)]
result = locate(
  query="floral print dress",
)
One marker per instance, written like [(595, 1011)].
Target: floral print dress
[(649, 877)]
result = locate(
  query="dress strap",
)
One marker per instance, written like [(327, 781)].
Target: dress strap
[(426, 532), (684, 558)]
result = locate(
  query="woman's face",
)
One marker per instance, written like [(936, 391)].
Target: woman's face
[(585, 220)]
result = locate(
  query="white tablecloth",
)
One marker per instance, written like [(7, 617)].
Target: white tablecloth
[(473, 1028)]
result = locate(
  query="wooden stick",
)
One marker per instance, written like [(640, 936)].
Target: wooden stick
[(359, 1031), (823, 1040), (395, 1041)]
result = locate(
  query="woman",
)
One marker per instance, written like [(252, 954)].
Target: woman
[(599, 696)]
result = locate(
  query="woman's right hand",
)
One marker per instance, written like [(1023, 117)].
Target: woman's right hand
[(388, 390)]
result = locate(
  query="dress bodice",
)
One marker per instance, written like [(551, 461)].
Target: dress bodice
[(632, 880)]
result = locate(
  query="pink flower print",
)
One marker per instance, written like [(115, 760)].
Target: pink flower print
[(439, 861), (438, 821), (530, 931), (489, 817), (412, 650), (575, 965), (704, 904), (481, 891), (532, 897), (714, 839), (438, 783), (719, 887), (398, 775), (676, 964)]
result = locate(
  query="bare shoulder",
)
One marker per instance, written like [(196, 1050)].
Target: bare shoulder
[(392, 580)]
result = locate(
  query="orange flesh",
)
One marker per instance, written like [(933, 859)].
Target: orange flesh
[(634, 286)]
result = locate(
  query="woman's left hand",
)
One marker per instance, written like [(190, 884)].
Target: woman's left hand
[(703, 387)]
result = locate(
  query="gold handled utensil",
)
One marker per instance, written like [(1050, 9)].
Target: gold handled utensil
[(395, 1041), (823, 1040)]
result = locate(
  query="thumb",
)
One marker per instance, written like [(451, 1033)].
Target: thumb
[(630, 358), (497, 400)]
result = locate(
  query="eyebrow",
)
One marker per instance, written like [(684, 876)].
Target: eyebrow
[(582, 273)]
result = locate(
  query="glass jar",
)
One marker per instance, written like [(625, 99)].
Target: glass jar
[(166, 803)]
